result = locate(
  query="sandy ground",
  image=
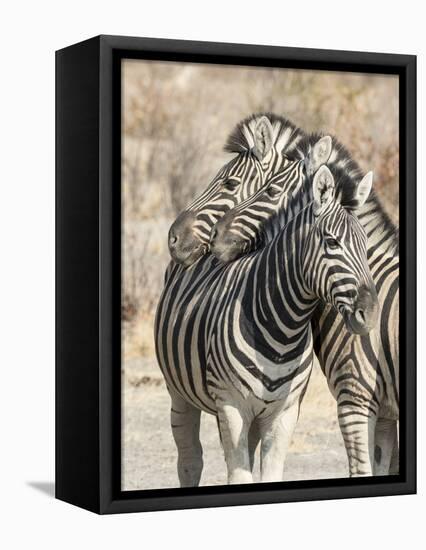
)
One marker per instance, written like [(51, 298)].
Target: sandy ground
[(149, 453)]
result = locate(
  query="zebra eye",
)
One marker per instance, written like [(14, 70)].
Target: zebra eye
[(230, 184), (332, 243), (272, 192)]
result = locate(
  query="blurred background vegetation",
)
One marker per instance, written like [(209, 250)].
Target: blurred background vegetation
[(175, 120)]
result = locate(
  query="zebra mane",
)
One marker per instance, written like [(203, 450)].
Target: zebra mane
[(286, 135), (340, 159), (347, 174)]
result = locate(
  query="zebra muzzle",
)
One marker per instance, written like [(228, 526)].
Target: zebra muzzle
[(184, 247), (364, 315), (224, 244)]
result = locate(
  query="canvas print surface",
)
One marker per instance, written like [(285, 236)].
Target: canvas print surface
[(260, 264)]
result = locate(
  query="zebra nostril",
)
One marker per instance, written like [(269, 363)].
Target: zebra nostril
[(360, 316), (173, 239)]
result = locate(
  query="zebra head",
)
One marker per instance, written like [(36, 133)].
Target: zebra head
[(260, 143), (244, 228), (334, 255)]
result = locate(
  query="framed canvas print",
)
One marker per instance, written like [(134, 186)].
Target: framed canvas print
[(235, 274)]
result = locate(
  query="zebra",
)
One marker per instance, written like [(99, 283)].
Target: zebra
[(263, 144), (362, 372), (236, 338), (260, 144)]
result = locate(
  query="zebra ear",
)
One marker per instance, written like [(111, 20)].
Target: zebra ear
[(319, 154), (323, 187), (263, 138), (363, 189)]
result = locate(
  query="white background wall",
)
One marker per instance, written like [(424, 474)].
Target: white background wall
[(30, 33)]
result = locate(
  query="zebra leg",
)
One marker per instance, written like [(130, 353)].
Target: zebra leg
[(234, 430), (276, 434), (253, 441), (385, 440), (185, 422), (357, 425)]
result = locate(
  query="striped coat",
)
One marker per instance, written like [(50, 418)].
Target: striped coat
[(362, 372), (260, 145), (235, 340)]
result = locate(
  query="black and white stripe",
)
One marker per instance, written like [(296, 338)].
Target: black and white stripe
[(235, 339), (362, 372), (260, 145)]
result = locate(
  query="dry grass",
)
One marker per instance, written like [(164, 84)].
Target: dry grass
[(137, 335)]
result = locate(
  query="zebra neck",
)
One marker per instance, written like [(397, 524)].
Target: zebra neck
[(277, 300), (381, 232), (276, 223)]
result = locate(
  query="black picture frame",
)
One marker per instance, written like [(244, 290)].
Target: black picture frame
[(88, 166)]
